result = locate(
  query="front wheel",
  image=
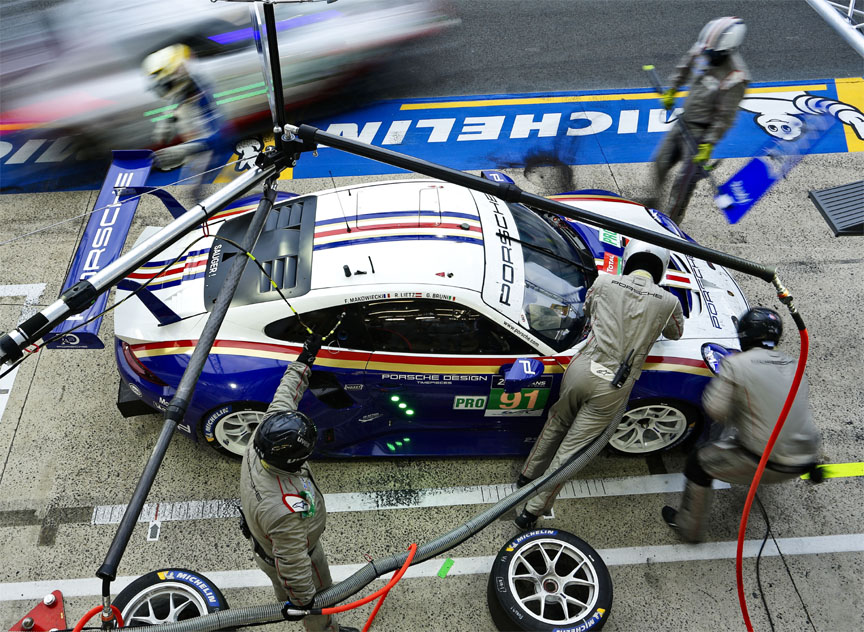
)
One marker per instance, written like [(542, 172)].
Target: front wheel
[(549, 580), (655, 426), (228, 428), (168, 596)]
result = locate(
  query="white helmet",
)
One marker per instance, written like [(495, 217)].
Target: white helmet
[(640, 255), (722, 34)]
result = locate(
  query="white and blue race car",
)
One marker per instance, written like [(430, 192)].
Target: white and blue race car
[(431, 292)]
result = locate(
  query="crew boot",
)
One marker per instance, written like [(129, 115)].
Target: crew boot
[(526, 520), (522, 481), (689, 520)]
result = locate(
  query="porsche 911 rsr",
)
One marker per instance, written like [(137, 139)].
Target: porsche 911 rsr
[(431, 292)]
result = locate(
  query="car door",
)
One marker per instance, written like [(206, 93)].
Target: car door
[(337, 399), (435, 379)]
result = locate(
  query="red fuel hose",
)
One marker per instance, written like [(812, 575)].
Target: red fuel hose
[(381, 592), (754, 485), (93, 612)]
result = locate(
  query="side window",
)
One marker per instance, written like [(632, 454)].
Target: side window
[(437, 327), (349, 334)]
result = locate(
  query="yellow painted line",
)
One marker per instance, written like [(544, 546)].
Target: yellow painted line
[(851, 91), (806, 88), (840, 470), (586, 98), (528, 101)]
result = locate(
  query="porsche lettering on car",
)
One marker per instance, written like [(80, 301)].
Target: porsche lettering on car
[(435, 296)]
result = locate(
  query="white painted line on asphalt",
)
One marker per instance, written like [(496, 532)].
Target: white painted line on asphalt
[(813, 545), (31, 292), (407, 499)]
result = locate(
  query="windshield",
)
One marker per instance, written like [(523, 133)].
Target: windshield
[(556, 280)]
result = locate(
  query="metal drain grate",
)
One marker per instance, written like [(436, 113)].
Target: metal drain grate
[(842, 207)]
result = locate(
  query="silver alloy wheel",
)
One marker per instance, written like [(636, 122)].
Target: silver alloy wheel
[(554, 581), (649, 429), (166, 602), (234, 430)]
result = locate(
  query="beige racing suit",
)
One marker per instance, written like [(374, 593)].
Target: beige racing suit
[(746, 398), (276, 504), (709, 111), (627, 313)]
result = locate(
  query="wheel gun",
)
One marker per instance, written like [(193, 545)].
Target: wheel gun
[(623, 371)]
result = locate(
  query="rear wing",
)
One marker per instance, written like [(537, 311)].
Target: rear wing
[(101, 244)]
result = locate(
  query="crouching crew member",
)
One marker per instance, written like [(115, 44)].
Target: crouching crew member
[(746, 398), (627, 313), (283, 508)]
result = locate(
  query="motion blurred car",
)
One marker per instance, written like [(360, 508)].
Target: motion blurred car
[(429, 294), (74, 70)]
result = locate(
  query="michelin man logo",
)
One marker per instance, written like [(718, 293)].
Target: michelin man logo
[(781, 113)]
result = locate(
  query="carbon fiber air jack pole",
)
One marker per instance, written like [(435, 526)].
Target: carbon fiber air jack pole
[(269, 53), (180, 402)]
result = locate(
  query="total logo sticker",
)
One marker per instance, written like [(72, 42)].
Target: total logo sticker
[(611, 263)]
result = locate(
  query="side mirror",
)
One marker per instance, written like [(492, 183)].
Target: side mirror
[(521, 373)]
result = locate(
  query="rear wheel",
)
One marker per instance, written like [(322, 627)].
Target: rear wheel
[(549, 580), (228, 428), (168, 596), (655, 426)]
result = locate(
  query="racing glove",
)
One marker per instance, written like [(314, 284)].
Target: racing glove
[(704, 154), (668, 98), (295, 617), (311, 347), (170, 158)]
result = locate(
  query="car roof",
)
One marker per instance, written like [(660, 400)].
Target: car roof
[(419, 231)]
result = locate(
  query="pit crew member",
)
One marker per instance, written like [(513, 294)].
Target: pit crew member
[(719, 80), (746, 399), (627, 313), (283, 509), (193, 114)]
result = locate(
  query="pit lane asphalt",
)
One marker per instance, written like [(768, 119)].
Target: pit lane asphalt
[(513, 46), (65, 450)]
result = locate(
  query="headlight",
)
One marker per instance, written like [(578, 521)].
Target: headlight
[(713, 355)]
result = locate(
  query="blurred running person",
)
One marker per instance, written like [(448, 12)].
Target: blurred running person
[(746, 399), (192, 114), (628, 314), (284, 514), (719, 80)]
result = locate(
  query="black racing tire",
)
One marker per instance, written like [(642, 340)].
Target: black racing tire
[(167, 596), (652, 426), (228, 428), (574, 592)]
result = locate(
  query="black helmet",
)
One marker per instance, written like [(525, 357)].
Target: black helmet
[(285, 440), (760, 327)]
